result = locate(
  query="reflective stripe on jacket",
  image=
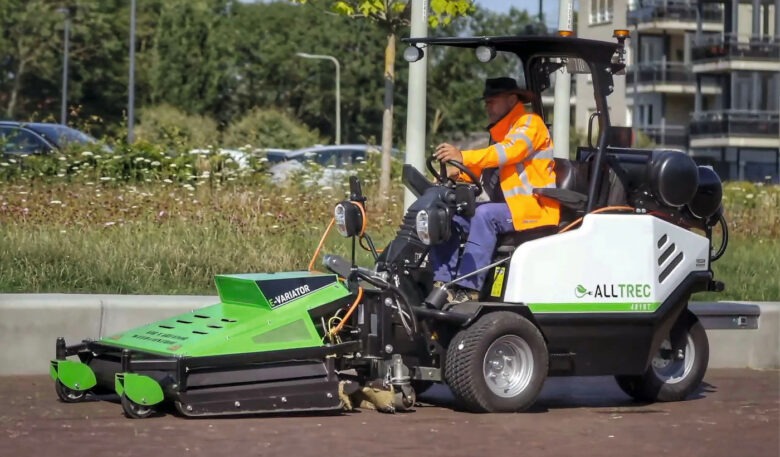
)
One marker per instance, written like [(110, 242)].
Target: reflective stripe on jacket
[(523, 153)]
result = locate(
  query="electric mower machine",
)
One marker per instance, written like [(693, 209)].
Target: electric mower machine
[(604, 293)]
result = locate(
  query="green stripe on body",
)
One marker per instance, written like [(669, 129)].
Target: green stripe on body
[(631, 307)]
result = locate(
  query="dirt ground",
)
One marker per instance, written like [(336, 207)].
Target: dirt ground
[(735, 414)]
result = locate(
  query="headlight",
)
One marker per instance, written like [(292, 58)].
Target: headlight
[(349, 218), (422, 227), (433, 225)]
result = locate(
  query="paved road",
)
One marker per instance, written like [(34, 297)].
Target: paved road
[(736, 413)]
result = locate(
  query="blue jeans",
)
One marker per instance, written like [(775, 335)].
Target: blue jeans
[(489, 220)]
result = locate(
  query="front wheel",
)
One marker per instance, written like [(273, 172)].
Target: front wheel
[(498, 364), (68, 395), (135, 411), (672, 375)]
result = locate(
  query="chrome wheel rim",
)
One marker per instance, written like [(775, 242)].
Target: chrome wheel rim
[(508, 366), (674, 369)]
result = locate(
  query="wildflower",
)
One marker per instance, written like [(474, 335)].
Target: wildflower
[(55, 202), (87, 154), (105, 178), (173, 165), (168, 181), (62, 158), (156, 163), (12, 160), (5, 164), (109, 224), (749, 196)]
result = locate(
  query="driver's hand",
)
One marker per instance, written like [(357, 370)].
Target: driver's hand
[(446, 152)]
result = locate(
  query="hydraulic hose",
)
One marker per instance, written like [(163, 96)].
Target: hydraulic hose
[(722, 249)]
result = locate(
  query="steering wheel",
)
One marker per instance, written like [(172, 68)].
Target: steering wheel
[(441, 175)]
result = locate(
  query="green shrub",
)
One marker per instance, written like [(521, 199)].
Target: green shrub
[(269, 128), (171, 127)]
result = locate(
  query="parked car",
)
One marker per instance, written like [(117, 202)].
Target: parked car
[(241, 157), (335, 160), (23, 138)]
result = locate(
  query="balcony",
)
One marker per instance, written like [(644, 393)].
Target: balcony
[(736, 52), (662, 16), (666, 77), (668, 135), (737, 128)]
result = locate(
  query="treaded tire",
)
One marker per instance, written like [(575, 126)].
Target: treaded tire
[(650, 387), (468, 360)]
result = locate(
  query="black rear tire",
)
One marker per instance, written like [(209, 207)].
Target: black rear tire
[(498, 364), (670, 379)]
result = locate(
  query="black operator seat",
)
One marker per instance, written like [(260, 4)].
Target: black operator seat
[(571, 180)]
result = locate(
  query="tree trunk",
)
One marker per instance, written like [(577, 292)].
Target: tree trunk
[(9, 111), (387, 122)]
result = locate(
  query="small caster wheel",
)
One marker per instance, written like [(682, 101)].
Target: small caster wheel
[(68, 395), (135, 411)]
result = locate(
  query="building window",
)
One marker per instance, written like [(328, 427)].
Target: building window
[(601, 12)]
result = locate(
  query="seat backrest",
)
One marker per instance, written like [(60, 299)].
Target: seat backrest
[(571, 175)]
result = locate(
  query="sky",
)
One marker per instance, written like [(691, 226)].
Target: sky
[(550, 8)]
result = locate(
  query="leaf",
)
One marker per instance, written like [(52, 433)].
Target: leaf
[(581, 289)]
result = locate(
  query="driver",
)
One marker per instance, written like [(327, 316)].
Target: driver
[(519, 159)]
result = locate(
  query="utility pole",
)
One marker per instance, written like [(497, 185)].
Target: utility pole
[(65, 51), (562, 105), (131, 79), (417, 93)]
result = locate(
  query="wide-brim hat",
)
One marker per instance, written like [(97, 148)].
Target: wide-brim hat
[(498, 86)]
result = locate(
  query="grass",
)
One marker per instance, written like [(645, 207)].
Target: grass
[(167, 238)]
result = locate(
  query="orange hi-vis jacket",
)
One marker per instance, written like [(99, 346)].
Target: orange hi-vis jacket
[(523, 153)]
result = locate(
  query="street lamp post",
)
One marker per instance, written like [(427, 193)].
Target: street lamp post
[(66, 49), (131, 79), (338, 87)]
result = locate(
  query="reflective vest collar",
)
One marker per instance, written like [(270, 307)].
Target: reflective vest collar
[(500, 129)]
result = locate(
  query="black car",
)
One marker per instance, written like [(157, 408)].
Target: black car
[(21, 138)]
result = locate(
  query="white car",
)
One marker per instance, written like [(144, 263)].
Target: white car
[(336, 162), (241, 157)]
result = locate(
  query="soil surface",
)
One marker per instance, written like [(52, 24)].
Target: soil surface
[(734, 414)]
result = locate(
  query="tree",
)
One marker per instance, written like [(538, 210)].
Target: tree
[(194, 65), (27, 29), (391, 16)]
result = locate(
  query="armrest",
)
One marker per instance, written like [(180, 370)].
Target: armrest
[(568, 198)]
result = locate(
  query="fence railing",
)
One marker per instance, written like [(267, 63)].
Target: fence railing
[(674, 11), (736, 122), (737, 46), (667, 134)]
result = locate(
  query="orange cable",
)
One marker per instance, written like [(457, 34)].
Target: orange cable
[(600, 210), (349, 312), (322, 241)]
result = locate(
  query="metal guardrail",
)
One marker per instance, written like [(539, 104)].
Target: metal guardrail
[(731, 46), (674, 11), (669, 134), (659, 72), (736, 122)]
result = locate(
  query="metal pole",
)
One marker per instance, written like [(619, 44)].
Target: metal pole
[(131, 79), (416, 98), (338, 87), (66, 46), (562, 105)]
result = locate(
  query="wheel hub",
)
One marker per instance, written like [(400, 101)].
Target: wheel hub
[(508, 366)]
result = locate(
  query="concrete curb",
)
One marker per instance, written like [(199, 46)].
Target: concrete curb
[(30, 323)]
